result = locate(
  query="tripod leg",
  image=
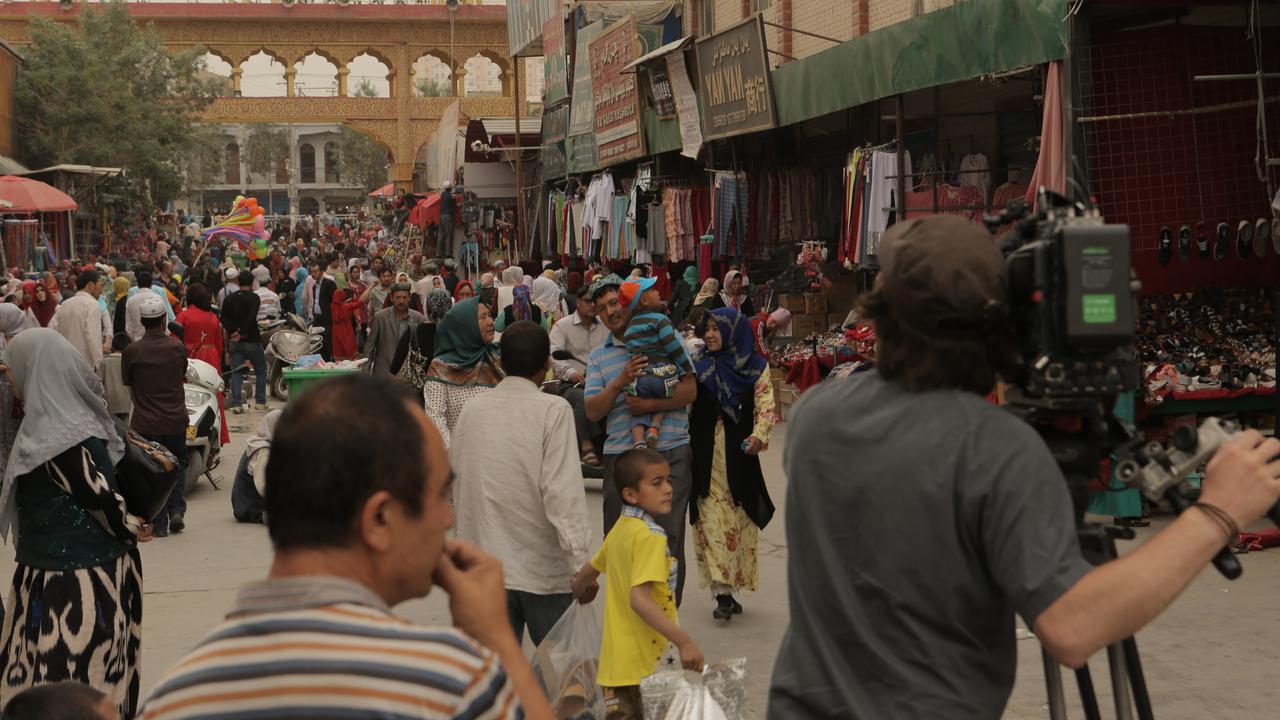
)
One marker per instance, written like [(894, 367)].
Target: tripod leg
[(1141, 698), (1088, 698), (1119, 681), (1053, 685)]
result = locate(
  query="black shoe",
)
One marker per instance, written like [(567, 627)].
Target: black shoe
[(176, 523), (724, 608), (160, 532), (737, 606)]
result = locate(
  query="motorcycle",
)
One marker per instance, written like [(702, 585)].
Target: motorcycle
[(202, 387), (288, 341)]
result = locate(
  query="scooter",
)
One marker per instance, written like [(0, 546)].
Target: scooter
[(204, 421), (286, 343)]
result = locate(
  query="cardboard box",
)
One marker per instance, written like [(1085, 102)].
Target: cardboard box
[(802, 325), (815, 304), (793, 302), (836, 319)]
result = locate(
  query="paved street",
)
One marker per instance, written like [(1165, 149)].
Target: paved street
[(1207, 657)]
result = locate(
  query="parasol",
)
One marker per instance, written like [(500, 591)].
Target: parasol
[(27, 195)]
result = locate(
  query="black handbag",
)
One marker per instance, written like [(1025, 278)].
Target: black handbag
[(146, 475)]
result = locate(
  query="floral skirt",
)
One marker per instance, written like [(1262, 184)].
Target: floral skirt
[(725, 540), (83, 625)]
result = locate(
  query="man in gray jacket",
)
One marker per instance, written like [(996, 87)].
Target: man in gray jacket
[(388, 326)]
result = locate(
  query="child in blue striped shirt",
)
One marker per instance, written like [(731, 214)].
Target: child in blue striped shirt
[(651, 334)]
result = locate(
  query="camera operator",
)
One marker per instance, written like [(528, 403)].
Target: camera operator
[(926, 517)]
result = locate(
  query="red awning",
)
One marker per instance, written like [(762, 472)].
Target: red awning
[(426, 211), (29, 195), (385, 191)]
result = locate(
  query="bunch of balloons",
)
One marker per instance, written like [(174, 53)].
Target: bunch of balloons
[(246, 225)]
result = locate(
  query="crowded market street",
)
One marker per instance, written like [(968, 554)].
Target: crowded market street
[(1200, 657)]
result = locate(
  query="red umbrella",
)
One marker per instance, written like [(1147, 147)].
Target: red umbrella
[(29, 195), (384, 191), (426, 211)]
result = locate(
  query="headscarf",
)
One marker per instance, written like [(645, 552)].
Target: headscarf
[(708, 291), (486, 280), (546, 295), (43, 310), (64, 403), (295, 264), (120, 288), (13, 320), (691, 276), (730, 300), (457, 289), (520, 305), (458, 338), (339, 299), (512, 276), (438, 303), (549, 274), (302, 276), (731, 373)]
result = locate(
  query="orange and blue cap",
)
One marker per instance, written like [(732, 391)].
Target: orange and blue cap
[(629, 293)]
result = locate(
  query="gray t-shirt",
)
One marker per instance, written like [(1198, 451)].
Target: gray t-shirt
[(917, 524)]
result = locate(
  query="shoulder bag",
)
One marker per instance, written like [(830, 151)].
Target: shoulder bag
[(146, 475), (413, 371)]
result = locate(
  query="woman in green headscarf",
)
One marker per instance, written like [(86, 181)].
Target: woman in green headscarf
[(682, 295), (466, 364)]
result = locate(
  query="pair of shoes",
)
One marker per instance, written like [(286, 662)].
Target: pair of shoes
[(238, 410), (176, 522), (158, 532), (724, 608), (262, 406)]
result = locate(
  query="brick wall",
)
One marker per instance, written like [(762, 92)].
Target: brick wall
[(832, 19)]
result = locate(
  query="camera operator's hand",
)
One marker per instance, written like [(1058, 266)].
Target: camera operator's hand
[(1243, 478)]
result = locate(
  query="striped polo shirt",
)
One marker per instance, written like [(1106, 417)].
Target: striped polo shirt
[(326, 647), (651, 334), (603, 367)]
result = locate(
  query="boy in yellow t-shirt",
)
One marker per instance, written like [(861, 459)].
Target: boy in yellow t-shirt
[(640, 606)]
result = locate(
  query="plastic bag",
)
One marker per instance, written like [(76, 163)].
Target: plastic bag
[(719, 693), (567, 663)]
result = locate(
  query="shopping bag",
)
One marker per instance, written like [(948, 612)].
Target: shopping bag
[(719, 693), (567, 663)]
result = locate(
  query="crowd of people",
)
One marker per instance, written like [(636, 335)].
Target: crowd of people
[(661, 386)]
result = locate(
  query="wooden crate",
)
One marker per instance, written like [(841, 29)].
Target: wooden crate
[(793, 302), (815, 304), (802, 325)]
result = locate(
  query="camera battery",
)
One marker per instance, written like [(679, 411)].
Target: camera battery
[(1098, 302)]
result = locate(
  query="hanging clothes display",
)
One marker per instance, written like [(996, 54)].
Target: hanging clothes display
[(974, 171)]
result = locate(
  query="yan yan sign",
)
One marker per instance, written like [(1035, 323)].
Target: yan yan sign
[(734, 87)]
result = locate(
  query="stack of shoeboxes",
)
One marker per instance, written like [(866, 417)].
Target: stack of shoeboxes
[(809, 315)]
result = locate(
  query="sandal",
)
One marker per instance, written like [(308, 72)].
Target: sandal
[(592, 459)]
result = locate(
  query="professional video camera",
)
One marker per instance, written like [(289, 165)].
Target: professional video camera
[(1070, 301)]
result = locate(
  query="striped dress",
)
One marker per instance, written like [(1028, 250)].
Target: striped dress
[(281, 655)]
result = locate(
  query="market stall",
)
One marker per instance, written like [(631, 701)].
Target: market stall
[(33, 212)]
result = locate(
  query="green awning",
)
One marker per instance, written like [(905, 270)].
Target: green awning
[(956, 43)]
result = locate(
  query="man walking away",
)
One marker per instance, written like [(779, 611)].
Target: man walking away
[(543, 544), (79, 319), (357, 530), (154, 368), (448, 211), (240, 319), (325, 288)]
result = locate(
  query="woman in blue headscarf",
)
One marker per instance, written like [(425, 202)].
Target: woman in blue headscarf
[(729, 425), (299, 296)]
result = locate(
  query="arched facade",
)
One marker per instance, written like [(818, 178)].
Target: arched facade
[(397, 34), (231, 162), (307, 163)]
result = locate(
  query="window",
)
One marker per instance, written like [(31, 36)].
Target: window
[(307, 159), (707, 17), (759, 5), (331, 163), (232, 164)]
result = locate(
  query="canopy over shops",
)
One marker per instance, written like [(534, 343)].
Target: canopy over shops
[(385, 191)]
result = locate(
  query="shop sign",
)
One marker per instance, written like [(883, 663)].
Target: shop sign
[(582, 153), (617, 104), (555, 65), (555, 123), (582, 119), (734, 88), (664, 101), (524, 24)]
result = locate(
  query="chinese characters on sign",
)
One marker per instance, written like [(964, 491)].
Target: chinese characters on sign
[(617, 104), (735, 91)]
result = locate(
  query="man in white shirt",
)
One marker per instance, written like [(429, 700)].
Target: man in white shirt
[(525, 504), (269, 308), (423, 287), (133, 308), (80, 318), (579, 334), (232, 285)]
